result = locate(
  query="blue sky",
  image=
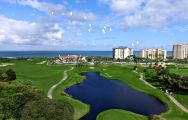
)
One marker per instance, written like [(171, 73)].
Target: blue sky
[(92, 24)]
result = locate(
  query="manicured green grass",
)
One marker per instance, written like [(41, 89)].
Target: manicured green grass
[(125, 75), (120, 115), (179, 70), (45, 76), (181, 96), (80, 108)]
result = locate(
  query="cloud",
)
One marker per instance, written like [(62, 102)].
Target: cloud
[(17, 32), (149, 13), (59, 10), (81, 16), (72, 21), (123, 6), (43, 6), (29, 33)]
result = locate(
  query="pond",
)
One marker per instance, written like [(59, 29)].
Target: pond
[(103, 94)]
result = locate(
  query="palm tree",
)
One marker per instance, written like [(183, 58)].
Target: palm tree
[(136, 59), (1, 75), (1, 62)]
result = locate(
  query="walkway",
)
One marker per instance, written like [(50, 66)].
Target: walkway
[(169, 96), (147, 83), (50, 91), (177, 103)]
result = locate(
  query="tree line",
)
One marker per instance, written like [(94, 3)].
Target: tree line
[(7, 75), (168, 80), (20, 100)]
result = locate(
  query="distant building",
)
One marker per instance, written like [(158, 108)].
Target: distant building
[(153, 53), (71, 59), (180, 51), (122, 52)]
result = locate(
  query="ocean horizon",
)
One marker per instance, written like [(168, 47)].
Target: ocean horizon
[(51, 54)]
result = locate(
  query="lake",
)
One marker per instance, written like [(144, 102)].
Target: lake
[(103, 94)]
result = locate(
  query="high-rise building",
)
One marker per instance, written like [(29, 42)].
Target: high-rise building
[(122, 52), (180, 51), (153, 53)]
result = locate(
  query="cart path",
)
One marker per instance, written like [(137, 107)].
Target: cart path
[(65, 76), (178, 104)]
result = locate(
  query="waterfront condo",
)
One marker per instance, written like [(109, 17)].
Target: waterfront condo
[(153, 53), (180, 51), (122, 52)]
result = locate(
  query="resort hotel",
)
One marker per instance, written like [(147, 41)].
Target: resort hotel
[(153, 53), (122, 52), (180, 51)]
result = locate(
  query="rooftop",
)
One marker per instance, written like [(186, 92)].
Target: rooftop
[(180, 44), (70, 57), (122, 47), (153, 49)]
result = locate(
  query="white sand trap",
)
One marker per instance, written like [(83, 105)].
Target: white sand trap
[(108, 75), (91, 67), (29, 59), (43, 62), (6, 64)]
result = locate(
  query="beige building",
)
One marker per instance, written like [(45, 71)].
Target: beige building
[(180, 51), (71, 59), (122, 52), (154, 53)]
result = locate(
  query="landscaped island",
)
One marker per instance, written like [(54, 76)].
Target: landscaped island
[(43, 77)]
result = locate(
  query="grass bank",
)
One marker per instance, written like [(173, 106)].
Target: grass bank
[(125, 75), (44, 76), (120, 115), (181, 96)]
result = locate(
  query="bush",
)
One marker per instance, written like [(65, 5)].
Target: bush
[(135, 68), (47, 109), (8, 75), (11, 75), (19, 100), (155, 117)]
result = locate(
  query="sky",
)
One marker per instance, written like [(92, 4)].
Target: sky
[(92, 24)]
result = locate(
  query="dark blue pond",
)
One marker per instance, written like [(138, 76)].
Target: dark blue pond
[(103, 94)]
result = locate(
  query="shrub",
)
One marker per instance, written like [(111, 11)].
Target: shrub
[(8, 75), (11, 75), (155, 117), (18, 101)]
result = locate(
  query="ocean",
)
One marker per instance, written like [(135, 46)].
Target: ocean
[(51, 54)]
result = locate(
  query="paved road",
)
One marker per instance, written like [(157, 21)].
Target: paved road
[(169, 96), (65, 76)]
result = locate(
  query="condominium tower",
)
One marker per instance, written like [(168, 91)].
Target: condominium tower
[(122, 52), (153, 53), (180, 51)]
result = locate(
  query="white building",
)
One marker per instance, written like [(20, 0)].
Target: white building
[(180, 51), (71, 59), (122, 52), (154, 53)]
